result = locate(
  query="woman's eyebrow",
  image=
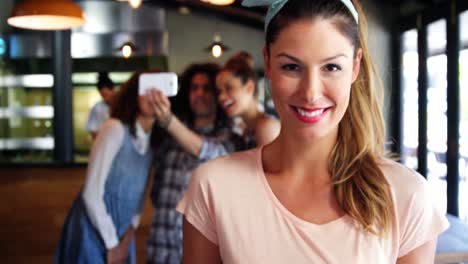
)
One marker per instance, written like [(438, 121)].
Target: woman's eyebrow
[(289, 57), (299, 61), (334, 57)]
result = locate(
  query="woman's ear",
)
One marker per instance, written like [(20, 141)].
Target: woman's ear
[(266, 62), (250, 85), (357, 65)]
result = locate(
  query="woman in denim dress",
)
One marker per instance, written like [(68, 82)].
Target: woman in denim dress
[(100, 225)]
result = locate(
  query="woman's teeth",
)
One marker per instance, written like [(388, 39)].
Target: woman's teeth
[(228, 103), (314, 113)]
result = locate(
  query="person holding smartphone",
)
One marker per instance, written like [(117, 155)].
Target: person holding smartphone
[(194, 146), (196, 109), (100, 225), (236, 90)]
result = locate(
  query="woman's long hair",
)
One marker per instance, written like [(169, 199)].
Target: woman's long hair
[(359, 184), (124, 105)]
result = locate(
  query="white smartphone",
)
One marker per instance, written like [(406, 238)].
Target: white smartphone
[(163, 81)]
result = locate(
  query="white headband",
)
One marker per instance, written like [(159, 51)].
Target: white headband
[(274, 6)]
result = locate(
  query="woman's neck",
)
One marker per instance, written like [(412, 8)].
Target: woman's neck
[(251, 115), (146, 122), (201, 122), (297, 159)]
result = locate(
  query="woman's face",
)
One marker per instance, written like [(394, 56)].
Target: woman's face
[(234, 96), (311, 66), (106, 94)]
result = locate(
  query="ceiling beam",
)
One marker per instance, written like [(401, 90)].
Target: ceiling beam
[(233, 14)]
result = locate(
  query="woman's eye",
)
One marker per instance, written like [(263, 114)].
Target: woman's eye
[(332, 67), (290, 67)]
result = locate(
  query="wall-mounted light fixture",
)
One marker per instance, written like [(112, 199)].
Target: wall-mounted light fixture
[(183, 10), (219, 2), (127, 49), (217, 47), (46, 15)]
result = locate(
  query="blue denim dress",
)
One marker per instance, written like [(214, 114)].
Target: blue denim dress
[(124, 193)]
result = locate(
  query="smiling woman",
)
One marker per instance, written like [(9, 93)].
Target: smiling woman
[(325, 177), (237, 95), (314, 87)]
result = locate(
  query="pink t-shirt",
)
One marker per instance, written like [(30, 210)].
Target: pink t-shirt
[(231, 203)]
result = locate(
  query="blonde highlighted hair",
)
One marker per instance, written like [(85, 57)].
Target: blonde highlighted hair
[(359, 184)]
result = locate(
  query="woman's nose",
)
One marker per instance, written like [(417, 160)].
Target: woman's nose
[(311, 86), (221, 96)]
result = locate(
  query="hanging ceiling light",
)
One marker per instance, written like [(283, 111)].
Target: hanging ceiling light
[(133, 3), (46, 15), (219, 2), (127, 49), (217, 47)]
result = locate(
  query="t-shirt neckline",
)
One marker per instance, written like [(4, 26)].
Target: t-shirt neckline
[(277, 203)]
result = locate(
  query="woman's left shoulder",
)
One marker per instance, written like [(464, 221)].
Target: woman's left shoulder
[(418, 218), (402, 180)]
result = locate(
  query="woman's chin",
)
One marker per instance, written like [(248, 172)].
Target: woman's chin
[(230, 112)]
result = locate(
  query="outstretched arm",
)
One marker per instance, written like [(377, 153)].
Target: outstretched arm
[(188, 139), (103, 152)]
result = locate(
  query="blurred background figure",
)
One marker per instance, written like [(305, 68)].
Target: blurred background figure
[(183, 139), (242, 56), (236, 84), (100, 111), (100, 225)]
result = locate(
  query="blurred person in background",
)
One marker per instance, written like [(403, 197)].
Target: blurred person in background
[(100, 111), (242, 56), (190, 141), (236, 90), (196, 113), (100, 225)]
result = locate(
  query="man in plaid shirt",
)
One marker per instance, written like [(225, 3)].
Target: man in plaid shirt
[(196, 106)]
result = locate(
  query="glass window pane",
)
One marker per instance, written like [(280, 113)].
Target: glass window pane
[(437, 111), (410, 62), (26, 116)]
